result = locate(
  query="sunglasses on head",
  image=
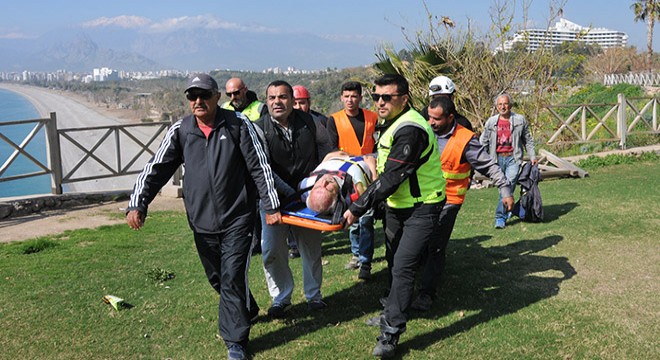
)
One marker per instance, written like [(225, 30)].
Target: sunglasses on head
[(385, 97), (204, 95), (234, 93)]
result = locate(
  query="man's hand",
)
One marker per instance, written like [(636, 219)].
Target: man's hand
[(349, 218), (508, 203), (135, 219), (274, 219)]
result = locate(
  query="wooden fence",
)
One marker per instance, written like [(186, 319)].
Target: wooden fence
[(92, 153), (605, 122)]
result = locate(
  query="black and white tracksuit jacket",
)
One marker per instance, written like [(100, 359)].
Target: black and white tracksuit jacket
[(224, 173)]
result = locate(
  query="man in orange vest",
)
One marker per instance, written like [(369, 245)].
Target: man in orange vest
[(461, 152), (352, 130)]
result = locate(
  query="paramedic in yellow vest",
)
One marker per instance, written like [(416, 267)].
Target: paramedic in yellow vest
[(411, 184), (352, 130), (243, 100), (461, 152)]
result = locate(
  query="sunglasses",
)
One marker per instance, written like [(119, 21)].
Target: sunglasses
[(235, 93), (385, 97), (204, 95)]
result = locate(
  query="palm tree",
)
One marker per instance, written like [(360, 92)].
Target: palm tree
[(649, 11)]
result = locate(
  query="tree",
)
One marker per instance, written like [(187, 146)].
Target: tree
[(479, 73), (649, 11)]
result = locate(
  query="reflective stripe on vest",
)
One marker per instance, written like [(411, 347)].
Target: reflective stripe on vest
[(456, 173), (251, 111), (348, 140), (430, 182)]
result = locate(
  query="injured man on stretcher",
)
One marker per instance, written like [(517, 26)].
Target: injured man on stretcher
[(335, 183)]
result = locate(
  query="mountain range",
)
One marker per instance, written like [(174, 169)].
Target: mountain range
[(81, 50)]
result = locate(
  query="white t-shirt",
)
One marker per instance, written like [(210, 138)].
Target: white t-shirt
[(354, 166)]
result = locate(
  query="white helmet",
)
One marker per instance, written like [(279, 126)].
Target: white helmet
[(441, 85)]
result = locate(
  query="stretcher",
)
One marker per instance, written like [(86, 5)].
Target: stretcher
[(298, 214)]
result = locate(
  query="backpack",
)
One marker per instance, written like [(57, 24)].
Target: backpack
[(530, 205)]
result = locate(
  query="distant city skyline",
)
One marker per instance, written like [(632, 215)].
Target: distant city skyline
[(351, 25)]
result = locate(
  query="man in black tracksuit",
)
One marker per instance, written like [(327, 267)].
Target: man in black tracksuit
[(226, 167)]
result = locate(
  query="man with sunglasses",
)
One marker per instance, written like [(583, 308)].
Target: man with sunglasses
[(226, 167), (410, 181), (295, 145), (352, 130), (243, 100)]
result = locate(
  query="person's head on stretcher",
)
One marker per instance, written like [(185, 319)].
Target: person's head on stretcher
[(324, 195)]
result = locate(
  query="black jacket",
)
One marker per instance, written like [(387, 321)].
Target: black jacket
[(295, 160), (223, 173), (530, 205)]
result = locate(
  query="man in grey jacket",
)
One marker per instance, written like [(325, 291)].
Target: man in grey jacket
[(506, 136)]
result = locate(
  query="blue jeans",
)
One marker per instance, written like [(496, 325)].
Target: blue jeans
[(510, 169), (361, 235)]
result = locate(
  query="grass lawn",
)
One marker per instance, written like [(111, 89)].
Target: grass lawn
[(584, 284)]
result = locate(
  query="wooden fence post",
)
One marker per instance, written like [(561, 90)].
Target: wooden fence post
[(54, 155), (621, 127)]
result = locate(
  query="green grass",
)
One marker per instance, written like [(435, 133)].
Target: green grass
[(581, 285)]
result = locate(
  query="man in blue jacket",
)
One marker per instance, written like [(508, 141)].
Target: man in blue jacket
[(506, 136), (226, 167)]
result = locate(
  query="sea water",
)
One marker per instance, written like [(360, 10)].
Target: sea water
[(15, 107)]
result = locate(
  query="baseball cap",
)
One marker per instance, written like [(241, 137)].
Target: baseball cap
[(441, 85), (202, 81)]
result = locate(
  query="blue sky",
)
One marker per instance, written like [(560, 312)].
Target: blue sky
[(368, 22)]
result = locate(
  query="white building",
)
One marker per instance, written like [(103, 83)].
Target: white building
[(105, 74), (565, 30)]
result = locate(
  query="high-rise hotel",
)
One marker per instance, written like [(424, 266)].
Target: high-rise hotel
[(565, 30)]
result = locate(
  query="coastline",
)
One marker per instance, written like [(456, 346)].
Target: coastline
[(48, 100), (73, 112)]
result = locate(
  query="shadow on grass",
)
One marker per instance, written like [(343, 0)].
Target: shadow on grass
[(487, 281), (490, 282), (551, 212)]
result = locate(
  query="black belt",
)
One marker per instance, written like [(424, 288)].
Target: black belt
[(505, 154)]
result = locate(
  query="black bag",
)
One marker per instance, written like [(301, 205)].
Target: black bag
[(530, 205)]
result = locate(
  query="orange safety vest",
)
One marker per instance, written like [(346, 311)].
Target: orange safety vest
[(456, 174), (348, 141)]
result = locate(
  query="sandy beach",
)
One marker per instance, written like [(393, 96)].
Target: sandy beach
[(72, 111)]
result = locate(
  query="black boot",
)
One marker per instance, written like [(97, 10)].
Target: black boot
[(387, 340), (386, 345)]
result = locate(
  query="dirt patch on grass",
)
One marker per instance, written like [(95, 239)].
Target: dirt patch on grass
[(57, 221)]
